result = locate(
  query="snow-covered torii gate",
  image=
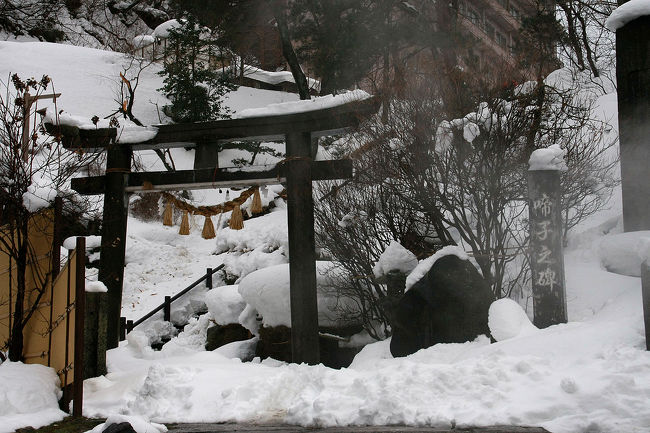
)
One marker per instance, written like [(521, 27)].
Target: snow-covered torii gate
[(298, 170)]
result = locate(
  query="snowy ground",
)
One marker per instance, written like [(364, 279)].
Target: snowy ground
[(590, 375)]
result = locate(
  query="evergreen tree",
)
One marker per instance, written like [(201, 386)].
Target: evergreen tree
[(195, 89)]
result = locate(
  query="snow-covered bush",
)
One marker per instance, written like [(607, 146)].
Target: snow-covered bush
[(267, 291)]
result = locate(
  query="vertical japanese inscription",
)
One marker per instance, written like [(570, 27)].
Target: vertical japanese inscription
[(547, 261)]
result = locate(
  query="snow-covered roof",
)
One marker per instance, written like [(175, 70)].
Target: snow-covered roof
[(143, 41), (162, 31), (274, 78), (627, 12), (291, 107)]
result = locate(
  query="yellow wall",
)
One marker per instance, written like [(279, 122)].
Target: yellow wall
[(52, 324)]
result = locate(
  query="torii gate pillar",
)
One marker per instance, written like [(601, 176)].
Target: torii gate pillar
[(633, 77), (302, 247)]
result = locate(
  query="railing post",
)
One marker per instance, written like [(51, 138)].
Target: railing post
[(208, 279), (167, 308), (79, 324), (122, 328), (129, 326)]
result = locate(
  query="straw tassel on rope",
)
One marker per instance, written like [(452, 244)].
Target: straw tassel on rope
[(208, 229), (256, 205), (168, 215), (236, 219), (185, 224)]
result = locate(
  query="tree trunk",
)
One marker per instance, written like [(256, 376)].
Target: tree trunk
[(289, 53), (16, 339)]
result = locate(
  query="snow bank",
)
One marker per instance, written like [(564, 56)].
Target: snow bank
[(425, 265), (225, 304), (627, 12), (318, 103), (395, 258), (244, 350), (623, 253), (549, 158), (139, 424), (29, 395), (267, 290), (506, 319), (575, 377)]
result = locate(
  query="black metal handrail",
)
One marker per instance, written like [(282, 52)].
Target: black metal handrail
[(127, 326)]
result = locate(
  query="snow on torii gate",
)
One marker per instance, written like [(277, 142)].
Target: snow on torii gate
[(298, 170)]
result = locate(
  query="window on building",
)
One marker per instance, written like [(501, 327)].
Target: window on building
[(489, 29), (515, 13), (501, 39), (474, 16)]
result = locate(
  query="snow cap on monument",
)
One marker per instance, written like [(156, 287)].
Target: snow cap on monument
[(548, 158)]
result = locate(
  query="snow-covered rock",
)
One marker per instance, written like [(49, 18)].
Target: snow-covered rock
[(225, 304), (623, 253), (267, 291), (395, 258), (425, 265), (507, 319)]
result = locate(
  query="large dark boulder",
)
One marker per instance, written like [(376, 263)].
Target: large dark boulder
[(219, 335), (448, 305)]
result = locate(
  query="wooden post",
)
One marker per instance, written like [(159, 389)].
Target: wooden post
[(57, 241), (55, 264), (122, 328), (208, 278), (80, 314), (645, 289), (95, 335), (167, 309), (546, 257), (302, 246), (206, 155), (633, 86), (111, 269)]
